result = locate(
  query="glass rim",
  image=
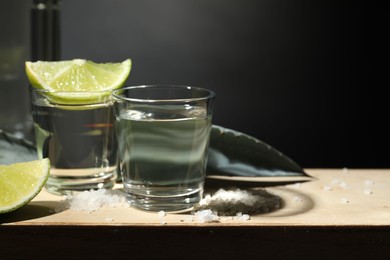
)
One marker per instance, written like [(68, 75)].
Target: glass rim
[(43, 91), (209, 94), (72, 98)]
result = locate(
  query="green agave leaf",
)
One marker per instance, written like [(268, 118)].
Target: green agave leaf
[(232, 153), (13, 149)]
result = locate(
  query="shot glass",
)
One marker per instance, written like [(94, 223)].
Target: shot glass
[(163, 135), (79, 139)]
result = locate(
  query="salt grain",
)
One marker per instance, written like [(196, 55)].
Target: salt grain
[(343, 185), (161, 214), (297, 185), (369, 182), (344, 200), (367, 191), (240, 216), (206, 216), (327, 187), (297, 199), (335, 181)]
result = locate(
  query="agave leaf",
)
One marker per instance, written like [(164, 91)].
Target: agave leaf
[(238, 156), (13, 149), (232, 153)]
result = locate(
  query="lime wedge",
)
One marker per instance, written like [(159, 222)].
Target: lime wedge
[(77, 81), (21, 182)]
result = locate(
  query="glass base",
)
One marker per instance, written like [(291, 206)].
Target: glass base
[(165, 203), (64, 182)]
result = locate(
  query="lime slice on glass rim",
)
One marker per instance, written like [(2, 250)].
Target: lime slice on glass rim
[(21, 182), (77, 81)]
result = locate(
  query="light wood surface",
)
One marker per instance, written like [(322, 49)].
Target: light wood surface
[(334, 197)]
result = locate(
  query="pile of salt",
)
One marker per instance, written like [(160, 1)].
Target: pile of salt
[(94, 199), (231, 202)]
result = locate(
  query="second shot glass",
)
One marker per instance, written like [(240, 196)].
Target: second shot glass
[(79, 139)]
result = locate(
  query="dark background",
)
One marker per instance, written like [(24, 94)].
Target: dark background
[(291, 73), (285, 72)]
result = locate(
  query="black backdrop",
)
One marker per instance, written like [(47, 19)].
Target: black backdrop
[(286, 72)]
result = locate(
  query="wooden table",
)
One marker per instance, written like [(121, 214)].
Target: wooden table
[(340, 213)]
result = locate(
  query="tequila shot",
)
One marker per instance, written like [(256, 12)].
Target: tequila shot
[(79, 139), (163, 135)]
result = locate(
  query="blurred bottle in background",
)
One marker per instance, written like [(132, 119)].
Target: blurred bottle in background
[(14, 50), (30, 30), (45, 30)]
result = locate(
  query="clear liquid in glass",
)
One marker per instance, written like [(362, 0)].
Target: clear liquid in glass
[(163, 156), (80, 143)]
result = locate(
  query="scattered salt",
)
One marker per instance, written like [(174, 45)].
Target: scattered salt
[(297, 185), (109, 219), (161, 214), (345, 170), (367, 191), (297, 199), (343, 185), (344, 200), (327, 187), (240, 216), (206, 216), (335, 181), (369, 182), (94, 199)]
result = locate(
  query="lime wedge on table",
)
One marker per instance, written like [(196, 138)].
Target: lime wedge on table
[(80, 81), (21, 182)]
